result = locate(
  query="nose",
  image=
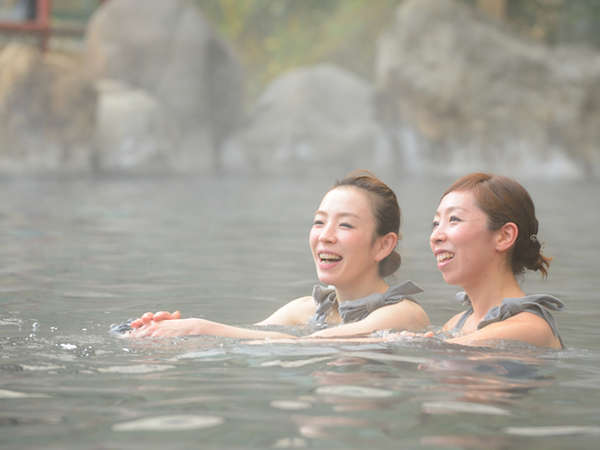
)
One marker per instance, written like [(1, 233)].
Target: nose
[(328, 233), (437, 235)]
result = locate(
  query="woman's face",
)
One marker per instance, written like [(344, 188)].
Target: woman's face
[(342, 238), (461, 241)]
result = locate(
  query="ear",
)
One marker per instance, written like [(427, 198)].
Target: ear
[(385, 245), (506, 236)]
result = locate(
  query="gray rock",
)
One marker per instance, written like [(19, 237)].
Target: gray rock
[(315, 118), (47, 112), (168, 50), (457, 92), (133, 131)]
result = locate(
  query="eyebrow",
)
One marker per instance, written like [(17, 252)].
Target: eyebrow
[(342, 214), (450, 210)]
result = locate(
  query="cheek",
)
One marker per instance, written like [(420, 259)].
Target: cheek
[(313, 237), (360, 245)]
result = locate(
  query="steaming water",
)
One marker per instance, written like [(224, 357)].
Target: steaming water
[(80, 254)]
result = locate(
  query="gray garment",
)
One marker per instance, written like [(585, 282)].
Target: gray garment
[(538, 304), (355, 310)]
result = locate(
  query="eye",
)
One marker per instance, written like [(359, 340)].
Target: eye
[(435, 223), (317, 222), (455, 219), (346, 225)]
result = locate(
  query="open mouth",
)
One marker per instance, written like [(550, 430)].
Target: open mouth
[(444, 256), (329, 257)]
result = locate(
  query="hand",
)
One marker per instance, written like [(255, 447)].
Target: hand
[(169, 327), (149, 317)]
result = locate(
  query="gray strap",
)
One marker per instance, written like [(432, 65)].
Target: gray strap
[(538, 304), (355, 310), (462, 320), (324, 297)]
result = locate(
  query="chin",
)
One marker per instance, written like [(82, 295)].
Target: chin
[(327, 280), (450, 280)]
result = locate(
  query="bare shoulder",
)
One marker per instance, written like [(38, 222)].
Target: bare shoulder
[(404, 315), (451, 323), (304, 305), (296, 312), (534, 329), (407, 306), (525, 327)]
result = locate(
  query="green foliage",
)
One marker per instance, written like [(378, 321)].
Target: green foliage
[(272, 36), (558, 21)]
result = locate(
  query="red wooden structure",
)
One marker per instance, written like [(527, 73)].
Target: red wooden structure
[(39, 25)]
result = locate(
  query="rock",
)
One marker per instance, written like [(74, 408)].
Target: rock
[(312, 118), (169, 51), (47, 112), (457, 92), (133, 131)]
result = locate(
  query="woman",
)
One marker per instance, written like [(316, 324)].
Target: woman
[(484, 235), (352, 240)]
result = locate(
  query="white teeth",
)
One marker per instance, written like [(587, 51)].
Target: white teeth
[(444, 256), (329, 257)]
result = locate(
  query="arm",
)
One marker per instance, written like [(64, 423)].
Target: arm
[(524, 327), (163, 323), (405, 315), (296, 312), (192, 326)]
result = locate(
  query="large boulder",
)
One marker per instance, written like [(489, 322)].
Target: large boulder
[(133, 131), (167, 49), (458, 92), (47, 112), (315, 118)]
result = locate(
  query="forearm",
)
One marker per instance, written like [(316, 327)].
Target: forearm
[(199, 327), (220, 329)]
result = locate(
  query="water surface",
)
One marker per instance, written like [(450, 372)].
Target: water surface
[(80, 254)]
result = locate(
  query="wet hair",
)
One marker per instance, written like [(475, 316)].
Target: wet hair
[(386, 211), (504, 200)]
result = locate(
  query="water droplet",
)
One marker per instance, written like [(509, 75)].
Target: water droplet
[(354, 391), (169, 423)]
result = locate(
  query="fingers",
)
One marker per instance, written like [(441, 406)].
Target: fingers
[(147, 318), (162, 315), (166, 315), (144, 320), (136, 323)]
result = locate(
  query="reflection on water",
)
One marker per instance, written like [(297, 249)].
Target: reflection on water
[(80, 255)]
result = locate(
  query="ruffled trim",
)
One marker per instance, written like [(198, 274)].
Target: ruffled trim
[(538, 304), (355, 310)]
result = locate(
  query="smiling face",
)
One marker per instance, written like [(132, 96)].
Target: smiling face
[(343, 241), (461, 241)]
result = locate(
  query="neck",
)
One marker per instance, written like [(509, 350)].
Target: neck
[(490, 290), (360, 290)]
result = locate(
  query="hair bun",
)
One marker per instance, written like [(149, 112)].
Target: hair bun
[(390, 264)]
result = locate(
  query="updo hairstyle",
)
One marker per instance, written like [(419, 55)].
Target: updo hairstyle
[(386, 211), (504, 200)]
